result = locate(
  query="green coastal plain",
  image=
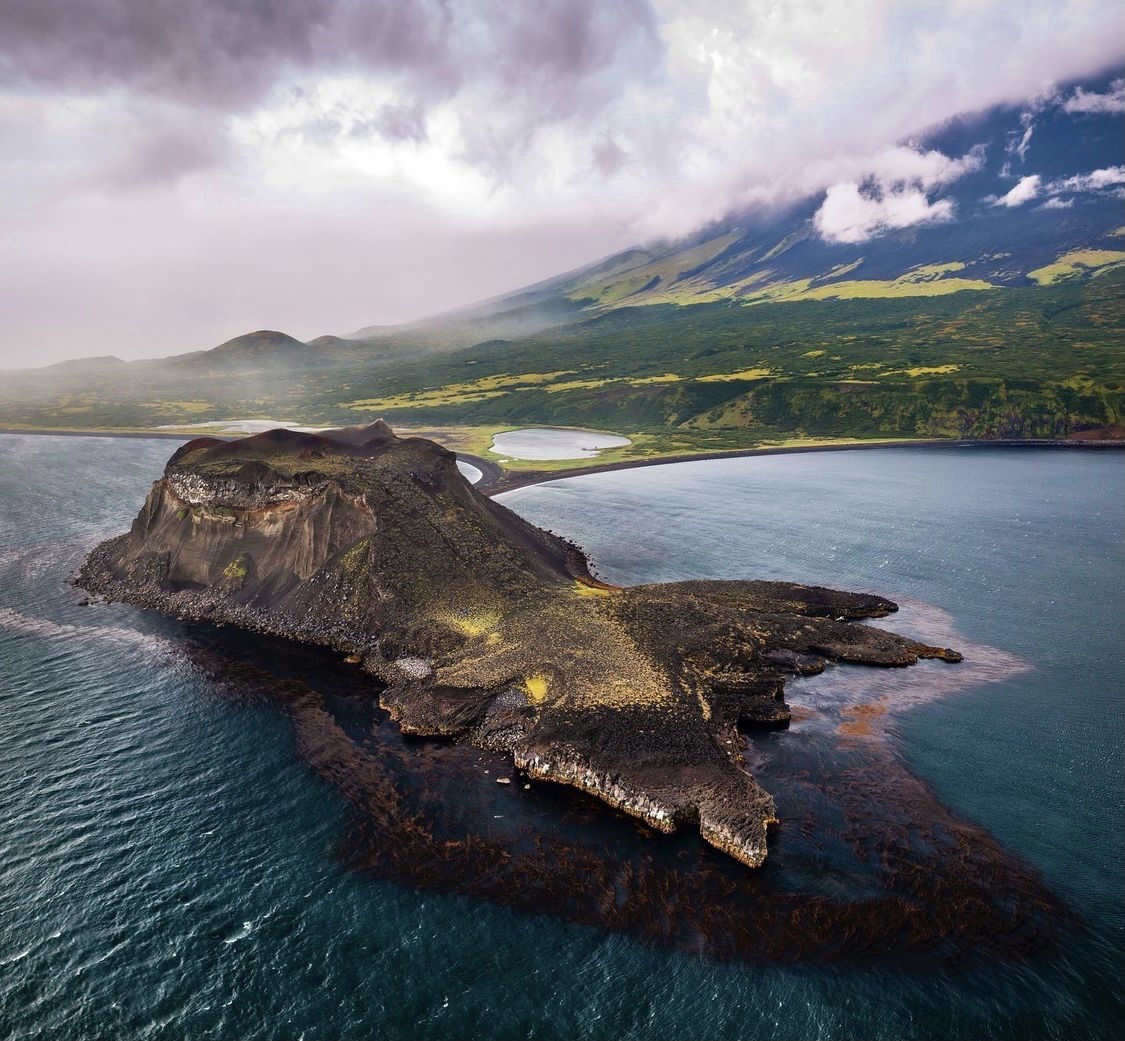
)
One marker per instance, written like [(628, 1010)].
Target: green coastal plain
[(922, 356)]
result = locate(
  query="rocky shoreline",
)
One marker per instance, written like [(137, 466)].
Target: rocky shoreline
[(480, 627)]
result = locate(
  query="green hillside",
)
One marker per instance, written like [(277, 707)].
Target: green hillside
[(1034, 361)]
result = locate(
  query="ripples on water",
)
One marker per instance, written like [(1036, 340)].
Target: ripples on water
[(190, 818)]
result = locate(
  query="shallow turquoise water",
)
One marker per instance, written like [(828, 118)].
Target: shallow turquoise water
[(171, 866)]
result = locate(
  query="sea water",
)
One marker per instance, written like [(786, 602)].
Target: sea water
[(172, 864)]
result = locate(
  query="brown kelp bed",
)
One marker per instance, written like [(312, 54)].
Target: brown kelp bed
[(867, 864)]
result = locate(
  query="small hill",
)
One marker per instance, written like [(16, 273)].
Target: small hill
[(251, 352)]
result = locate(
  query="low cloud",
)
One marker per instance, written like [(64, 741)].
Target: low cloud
[(1019, 141), (893, 194), (850, 214), (1025, 191), (400, 123), (1112, 101), (514, 68), (140, 130), (1109, 179), (1098, 180)]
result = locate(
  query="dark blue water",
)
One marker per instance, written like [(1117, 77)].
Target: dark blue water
[(175, 832)]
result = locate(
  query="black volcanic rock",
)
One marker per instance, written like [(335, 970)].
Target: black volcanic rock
[(483, 627)]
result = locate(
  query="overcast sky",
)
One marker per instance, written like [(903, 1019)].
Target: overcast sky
[(176, 173)]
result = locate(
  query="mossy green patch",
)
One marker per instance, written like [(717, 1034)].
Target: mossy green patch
[(653, 280), (234, 574), (356, 559), (1077, 263), (923, 370), (756, 372), (537, 686)]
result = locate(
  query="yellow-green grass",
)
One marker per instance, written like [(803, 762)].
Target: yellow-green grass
[(471, 392), (1078, 262), (537, 686), (587, 590), (467, 439), (644, 381), (191, 407), (925, 280), (473, 622), (839, 271), (928, 272), (923, 370), (786, 244), (236, 570), (866, 289), (482, 389), (609, 290), (756, 373)]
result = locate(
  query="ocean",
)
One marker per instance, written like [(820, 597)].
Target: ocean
[(209, 834)]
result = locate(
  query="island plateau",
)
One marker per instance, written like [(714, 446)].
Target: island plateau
[(474, 624)]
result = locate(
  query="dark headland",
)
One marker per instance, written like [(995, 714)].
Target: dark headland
[(479, 626)]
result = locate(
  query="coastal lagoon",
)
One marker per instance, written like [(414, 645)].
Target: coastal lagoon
[(184, 856), (544, 443)]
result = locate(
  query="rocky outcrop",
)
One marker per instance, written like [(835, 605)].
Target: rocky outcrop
[(482, 627)]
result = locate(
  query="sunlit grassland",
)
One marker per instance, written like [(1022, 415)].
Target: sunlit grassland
[(675, 281), (617, 286), (1020, 361), (190, 408), (1079, 262)]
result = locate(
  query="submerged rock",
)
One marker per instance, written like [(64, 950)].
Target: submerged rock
[(480, 626)]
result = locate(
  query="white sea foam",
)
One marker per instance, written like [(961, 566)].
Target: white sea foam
[(45, 628), (241, 934)]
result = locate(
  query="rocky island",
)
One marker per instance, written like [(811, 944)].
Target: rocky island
[(479, 626)]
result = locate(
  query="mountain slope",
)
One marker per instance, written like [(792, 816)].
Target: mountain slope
[(1067, 180), (970, 284)]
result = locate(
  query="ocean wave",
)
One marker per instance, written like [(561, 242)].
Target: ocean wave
[(48, 629)]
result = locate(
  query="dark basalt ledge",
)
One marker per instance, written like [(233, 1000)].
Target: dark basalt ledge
[(483, 627)]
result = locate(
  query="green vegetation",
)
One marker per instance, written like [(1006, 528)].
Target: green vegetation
[(234, 574), (1078, 262), (356, 559), (1021, 361), (1034, 362)]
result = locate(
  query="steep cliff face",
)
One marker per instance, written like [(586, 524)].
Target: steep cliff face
[(480, 625)]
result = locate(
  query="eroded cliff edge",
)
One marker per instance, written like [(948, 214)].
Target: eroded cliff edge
[(481, 626)]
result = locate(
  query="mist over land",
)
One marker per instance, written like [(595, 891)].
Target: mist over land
[(179, 175)]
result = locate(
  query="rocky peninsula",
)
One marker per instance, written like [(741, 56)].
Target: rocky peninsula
[(479, 626)]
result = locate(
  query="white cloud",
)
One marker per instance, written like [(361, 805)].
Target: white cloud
[(447, 130), (848, 214), (1025, 190), (1098, 180), (1019, 141), (1083, 101), (908, 166), (1109, 179), (891, 191)]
